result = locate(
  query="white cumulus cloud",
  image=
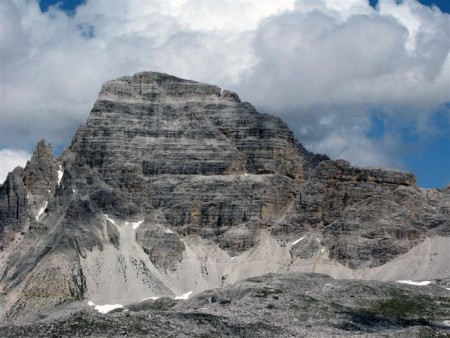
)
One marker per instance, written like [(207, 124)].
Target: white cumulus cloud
[(340, 60), (9, 159), (324, 66)]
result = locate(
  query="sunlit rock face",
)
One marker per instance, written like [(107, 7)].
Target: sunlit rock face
[(198, 155), (173, 187)]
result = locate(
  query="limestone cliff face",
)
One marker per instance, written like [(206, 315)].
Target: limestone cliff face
[(13, 207), (367, 216), (174, 186), (200, 158), (24, 195)]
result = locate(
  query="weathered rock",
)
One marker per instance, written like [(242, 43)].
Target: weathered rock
[(335, 185), (162, 245), (174, 186), (204, 159), (41, 172), (156, 144), (311, 160), (368, 216), (292, 305), (238, 239), (13, 207), (26, 192), (380, 228)]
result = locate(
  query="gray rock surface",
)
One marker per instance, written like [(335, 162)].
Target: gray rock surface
[(41, 175), (156, 142), (25, 193), (380, 228), (13, 207), (173, 186), (367, 216), (291, 305)]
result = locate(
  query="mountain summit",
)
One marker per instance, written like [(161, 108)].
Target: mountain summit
[(173, 187)]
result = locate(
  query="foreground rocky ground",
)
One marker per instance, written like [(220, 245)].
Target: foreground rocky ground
[(291, 305)]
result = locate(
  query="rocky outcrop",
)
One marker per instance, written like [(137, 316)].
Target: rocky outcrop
[(25, 194), (293, 305), (13, 207), (311, 160), (41, 176), (367, 216), (203, 159), (380, 228), (174, 186), (335, 185)]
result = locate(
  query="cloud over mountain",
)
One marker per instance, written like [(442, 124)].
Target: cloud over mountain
[(325, 67)]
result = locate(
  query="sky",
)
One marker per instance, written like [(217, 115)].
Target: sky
[(367, 81)]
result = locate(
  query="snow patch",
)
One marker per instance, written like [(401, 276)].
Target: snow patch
[(105, 308), (410, 282), (322, 250), (41, 210), (246, 174), (184, 296), (446, 323), (152, 298), (60, 174), (168, 231), (136, 225), (298, 240), (73, 190), (109, 219)]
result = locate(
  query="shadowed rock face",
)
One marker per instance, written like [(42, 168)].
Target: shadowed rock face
[(199, 157), (174, 186), (156, 142), (13, 207), (368, 216), (381, 227), (25, 193)]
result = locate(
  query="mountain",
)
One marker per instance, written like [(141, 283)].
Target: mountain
[(173, 187)]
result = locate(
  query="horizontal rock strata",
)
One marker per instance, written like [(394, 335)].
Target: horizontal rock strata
[(174, 186)]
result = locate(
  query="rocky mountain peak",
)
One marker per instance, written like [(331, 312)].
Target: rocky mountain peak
[(174, 186), (13, 207), (150, 125), (152, 86), (26, 192), (41, 171)]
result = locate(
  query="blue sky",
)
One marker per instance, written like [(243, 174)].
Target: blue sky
[(444, 5), (70, 5), (368, 84), (66, 5)]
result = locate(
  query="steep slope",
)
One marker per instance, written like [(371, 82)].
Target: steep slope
[(368, 216), (174, 186), (25, 194)]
